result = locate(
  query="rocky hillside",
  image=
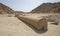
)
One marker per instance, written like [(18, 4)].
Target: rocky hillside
[(48, 8), (19, 12), (5, 9)]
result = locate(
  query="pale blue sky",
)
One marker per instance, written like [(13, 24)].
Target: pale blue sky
[(25, 5)]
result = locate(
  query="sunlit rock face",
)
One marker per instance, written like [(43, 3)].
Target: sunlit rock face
[(5, 9), (48, 8)]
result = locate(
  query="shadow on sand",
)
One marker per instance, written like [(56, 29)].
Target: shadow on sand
[(33, 28)]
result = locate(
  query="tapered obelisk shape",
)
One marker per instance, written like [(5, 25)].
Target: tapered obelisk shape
[(40, 24)]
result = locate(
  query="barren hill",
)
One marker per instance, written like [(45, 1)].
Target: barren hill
[(19, 12), (48, 8), (5, 9)]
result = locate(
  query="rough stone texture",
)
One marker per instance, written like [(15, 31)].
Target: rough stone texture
[(47, 8), (12, 26), (5, 9), (39, 24)]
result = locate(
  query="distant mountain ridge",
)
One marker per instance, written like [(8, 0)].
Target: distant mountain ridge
[(5, 9), (47, 8)]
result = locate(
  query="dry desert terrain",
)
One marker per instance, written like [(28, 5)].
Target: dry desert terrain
[(12, 26)]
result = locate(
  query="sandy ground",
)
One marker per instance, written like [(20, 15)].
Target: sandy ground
[(12, 26)]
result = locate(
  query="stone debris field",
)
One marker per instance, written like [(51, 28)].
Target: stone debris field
[(12, 26)]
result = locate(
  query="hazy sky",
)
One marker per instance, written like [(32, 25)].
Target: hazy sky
[(25, 5)]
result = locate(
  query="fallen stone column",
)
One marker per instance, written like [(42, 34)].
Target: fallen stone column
[(39, 24)]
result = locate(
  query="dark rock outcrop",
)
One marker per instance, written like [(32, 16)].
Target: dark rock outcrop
[(19, 12), (47, 8), (5, 9)]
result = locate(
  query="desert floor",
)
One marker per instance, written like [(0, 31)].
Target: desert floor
[(12, 26)]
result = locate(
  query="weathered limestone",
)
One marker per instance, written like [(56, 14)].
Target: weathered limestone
[(39, 24)]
